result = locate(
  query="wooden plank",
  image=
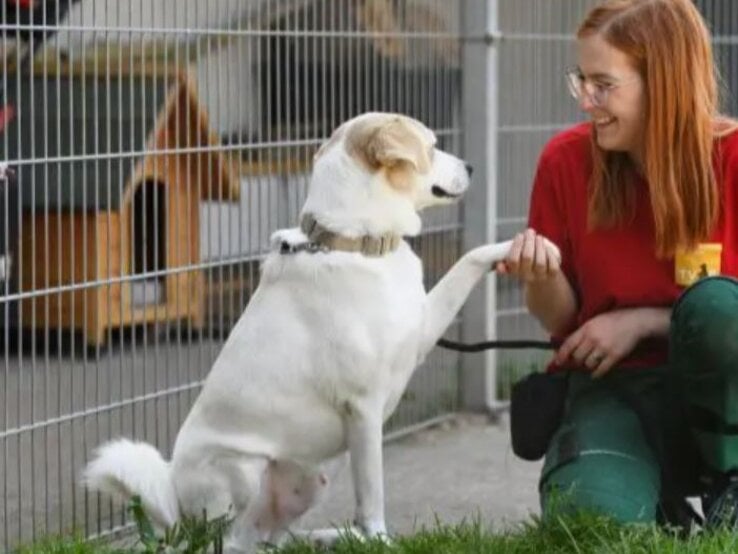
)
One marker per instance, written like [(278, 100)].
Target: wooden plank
[(108, 265), (41, 267)]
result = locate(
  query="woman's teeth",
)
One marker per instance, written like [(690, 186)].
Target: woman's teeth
[(602, 121)]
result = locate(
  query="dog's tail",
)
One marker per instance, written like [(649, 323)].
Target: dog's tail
[(124, 469)]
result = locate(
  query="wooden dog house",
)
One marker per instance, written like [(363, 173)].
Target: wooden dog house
[(119, 163)]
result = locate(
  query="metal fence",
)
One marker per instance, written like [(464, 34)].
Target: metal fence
[(156, 145)]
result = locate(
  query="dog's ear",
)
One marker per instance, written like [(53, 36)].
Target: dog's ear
[(391, 143)]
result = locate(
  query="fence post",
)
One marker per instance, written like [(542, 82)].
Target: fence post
[(479, 119)]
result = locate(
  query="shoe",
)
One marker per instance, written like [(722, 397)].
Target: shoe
[(720, 502), (677, 514)]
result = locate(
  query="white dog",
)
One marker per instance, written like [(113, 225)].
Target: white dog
[(324, 350)]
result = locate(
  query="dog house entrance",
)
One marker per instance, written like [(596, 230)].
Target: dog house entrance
[(148, 241)]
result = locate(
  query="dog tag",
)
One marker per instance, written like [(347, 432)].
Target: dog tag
[(690, 266)]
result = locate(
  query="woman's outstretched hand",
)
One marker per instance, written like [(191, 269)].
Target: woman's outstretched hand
[(531, 258)]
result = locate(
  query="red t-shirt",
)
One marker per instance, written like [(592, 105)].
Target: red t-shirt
[(617, 268)]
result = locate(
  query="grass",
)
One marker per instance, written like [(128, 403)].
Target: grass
[(572, 534), (66, 545), (584, 534)]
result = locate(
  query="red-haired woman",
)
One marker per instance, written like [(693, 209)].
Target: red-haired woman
[(642, 201)]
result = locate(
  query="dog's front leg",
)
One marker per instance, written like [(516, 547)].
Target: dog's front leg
[(445, 299), (364, 434)]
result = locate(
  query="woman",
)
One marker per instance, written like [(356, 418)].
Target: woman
[(641, 200)]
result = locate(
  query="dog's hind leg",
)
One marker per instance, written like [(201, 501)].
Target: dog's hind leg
[(243, 536), (284, 491), (288, 491), (242, 481)]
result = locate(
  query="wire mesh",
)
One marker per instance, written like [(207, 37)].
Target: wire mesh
[(156, 145)]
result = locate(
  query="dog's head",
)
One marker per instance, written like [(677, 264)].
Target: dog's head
[(377, 171)]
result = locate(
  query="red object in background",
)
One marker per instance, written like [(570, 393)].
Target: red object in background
[(25, 4), (6, 115)]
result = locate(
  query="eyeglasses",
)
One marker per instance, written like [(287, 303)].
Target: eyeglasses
[(597, 93)]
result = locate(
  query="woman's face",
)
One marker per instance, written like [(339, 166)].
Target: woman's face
[(614, 96)]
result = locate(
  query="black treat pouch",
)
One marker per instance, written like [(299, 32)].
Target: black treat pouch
[(536, 409)]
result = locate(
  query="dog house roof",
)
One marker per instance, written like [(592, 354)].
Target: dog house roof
[(85, 132)]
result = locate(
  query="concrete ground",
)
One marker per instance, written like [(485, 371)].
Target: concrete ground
[(458, 470)]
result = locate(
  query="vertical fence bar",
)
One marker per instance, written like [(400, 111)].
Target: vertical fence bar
[(480, 90), (6, 291)]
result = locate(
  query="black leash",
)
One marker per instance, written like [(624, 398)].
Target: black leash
[(490, 344)]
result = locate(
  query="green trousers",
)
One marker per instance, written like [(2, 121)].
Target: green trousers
[(629, 437)]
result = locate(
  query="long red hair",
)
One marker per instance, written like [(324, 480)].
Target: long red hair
[(669, 45)]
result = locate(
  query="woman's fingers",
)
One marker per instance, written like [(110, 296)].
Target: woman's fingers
[(568, 347), (531, 257), (553, 259), (593, 359), (527, 254), (540, 258), (603, 367), (583, 352), (513, 256)]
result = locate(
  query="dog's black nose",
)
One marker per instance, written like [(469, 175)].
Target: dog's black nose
[(469, 168)]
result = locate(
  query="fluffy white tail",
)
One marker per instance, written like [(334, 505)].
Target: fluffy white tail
[(124, 469)]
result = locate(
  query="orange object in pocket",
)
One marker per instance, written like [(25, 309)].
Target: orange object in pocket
[(692, 265)]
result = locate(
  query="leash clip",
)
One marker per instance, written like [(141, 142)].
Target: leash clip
[(309, 247)]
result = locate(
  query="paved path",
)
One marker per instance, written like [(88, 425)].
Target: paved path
[(458, 470)]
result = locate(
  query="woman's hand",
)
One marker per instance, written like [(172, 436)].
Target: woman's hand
[(536, 262), (532, 258), (606, 339)]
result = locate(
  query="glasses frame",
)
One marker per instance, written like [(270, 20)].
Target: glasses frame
[(580, 87)]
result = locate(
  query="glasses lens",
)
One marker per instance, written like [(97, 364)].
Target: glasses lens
[(579, 88)]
